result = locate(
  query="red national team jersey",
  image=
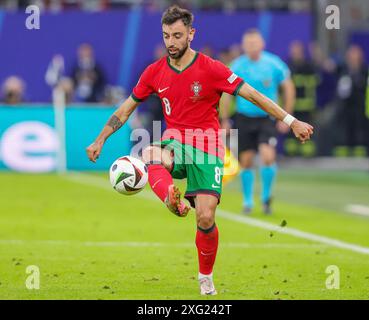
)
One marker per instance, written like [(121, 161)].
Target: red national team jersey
[(190, 98)]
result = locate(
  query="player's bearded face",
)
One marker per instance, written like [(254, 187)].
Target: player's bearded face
[(175, 52), (177, 38)]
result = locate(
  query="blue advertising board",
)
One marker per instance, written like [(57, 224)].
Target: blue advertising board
[(29, 141)]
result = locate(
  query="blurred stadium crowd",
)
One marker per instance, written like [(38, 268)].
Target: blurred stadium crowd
[(332, 90), (98, 5)]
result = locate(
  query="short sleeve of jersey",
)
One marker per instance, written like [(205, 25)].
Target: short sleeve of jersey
[(282, 72), (143, 87), (225, 80)]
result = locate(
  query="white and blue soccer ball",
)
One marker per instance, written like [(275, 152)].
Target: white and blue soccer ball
[(128, 175)]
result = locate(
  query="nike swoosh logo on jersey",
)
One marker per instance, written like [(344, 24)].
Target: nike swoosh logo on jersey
[(206, 254), (153, 186), (214, 186), (162, 90)]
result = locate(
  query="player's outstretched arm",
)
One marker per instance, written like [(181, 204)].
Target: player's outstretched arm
[(288, 91), (115, 122), (301, 129)]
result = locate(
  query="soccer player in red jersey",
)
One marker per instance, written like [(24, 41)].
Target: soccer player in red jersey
[(190, 85)]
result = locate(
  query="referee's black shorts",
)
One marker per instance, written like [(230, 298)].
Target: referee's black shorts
[(254, 131)]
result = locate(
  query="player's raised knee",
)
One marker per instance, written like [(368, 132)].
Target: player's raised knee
[(151, 154)]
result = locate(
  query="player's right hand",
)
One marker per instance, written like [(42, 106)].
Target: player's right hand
[(94, 150), (302, 130)]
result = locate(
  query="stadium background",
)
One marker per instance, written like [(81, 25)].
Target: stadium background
[(322, 190)]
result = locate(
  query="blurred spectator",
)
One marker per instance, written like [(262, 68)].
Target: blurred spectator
[(66, 85), (13, 90), (229, 54), (94, 5), (207, 50), (49, 5), (351, 92), (305, 79), (319, 59), (113, 95), (55, 70), (159, 52), (89, 80), (224, 57), (235, 51), (327, 69)]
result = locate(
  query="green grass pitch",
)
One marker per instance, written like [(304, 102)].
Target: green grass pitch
[(89, 242)]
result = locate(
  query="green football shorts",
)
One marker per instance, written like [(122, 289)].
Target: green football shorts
[(204, 172)]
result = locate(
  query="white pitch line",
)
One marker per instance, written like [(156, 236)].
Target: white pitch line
[(88, 179), (293, 232), (131, 244), (358, 209)]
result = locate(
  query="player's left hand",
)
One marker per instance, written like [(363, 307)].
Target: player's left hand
[(302, 130), (282, 127)]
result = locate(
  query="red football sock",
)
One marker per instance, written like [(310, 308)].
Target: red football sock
[(159, 180), (207, 246)]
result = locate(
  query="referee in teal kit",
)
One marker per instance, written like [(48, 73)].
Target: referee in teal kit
[(257, 131)]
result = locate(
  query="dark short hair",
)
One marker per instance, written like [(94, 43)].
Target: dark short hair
[(175, 13), (252, 31)]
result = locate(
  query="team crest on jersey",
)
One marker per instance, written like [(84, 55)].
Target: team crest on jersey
[(196, 87)]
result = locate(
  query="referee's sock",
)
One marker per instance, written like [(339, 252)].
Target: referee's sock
[(267, 174), (247, 179)]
